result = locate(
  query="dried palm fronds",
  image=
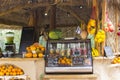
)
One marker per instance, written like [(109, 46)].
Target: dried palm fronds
[(114, 4)]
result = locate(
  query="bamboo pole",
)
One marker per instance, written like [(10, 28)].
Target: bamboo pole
[(95, 4), (116, 29), (104, 2)]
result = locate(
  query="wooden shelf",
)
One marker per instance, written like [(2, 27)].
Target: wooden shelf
[(20, 59), (114, 65), (103, 58)]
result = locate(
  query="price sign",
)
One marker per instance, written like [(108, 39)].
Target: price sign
[(108, 51)]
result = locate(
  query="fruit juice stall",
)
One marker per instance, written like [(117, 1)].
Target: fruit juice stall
[(89, 51)]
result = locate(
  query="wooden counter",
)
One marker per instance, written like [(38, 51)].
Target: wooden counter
[(71, 77), (104, 70), (33, 67)]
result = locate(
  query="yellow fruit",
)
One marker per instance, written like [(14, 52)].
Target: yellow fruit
[(118, 61), (64, 58), (100, 36), (1, 74), (21, 73), (28, 55), (34, 55), (99, 40), (92, 31), (40, 55), (42, 49), (13, 70), (28, 49), (3, 67), (7, 73), (36, 44), (32, 48), (10, 66), (14, 73), (9, 70), (63, 62), (119, 58), (95, 52), (114, 61)]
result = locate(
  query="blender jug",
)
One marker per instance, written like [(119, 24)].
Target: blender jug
[(10, 37)]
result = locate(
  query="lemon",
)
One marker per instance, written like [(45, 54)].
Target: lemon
[(99, 40)]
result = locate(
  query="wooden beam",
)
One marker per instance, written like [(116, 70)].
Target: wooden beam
[(53, 17)]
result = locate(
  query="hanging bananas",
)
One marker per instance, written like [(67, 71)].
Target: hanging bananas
[(95, 52), (100, 36)]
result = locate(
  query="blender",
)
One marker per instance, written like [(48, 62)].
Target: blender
[(10, 45)]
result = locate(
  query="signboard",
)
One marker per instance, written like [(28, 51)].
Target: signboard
[(108, 51)]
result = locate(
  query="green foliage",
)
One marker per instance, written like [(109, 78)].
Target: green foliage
[(55, 34)]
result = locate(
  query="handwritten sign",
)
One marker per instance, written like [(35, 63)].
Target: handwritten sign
[(108, 51)]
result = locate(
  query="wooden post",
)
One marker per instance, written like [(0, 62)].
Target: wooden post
[(53, 17), (33, 22), (104, 2), (116, 29), (37, 28)]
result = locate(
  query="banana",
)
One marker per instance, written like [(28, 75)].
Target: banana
[(95, 52), (93, 55)]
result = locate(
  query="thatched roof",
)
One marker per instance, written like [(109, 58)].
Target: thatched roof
[(114, 4), (68, 12)]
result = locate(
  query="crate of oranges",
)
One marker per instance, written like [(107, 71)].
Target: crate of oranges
[(10, 70), (34, 51), (116, 60)]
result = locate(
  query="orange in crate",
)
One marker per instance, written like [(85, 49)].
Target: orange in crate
[(28, 55)]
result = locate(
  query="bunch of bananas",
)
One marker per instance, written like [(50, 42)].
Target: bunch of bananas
[(100, 36), (95, 52)]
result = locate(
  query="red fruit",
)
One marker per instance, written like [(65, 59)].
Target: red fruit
[(118, 33), (111, 30)]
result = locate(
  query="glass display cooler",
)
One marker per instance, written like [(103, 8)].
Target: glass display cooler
[(68, 56)]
